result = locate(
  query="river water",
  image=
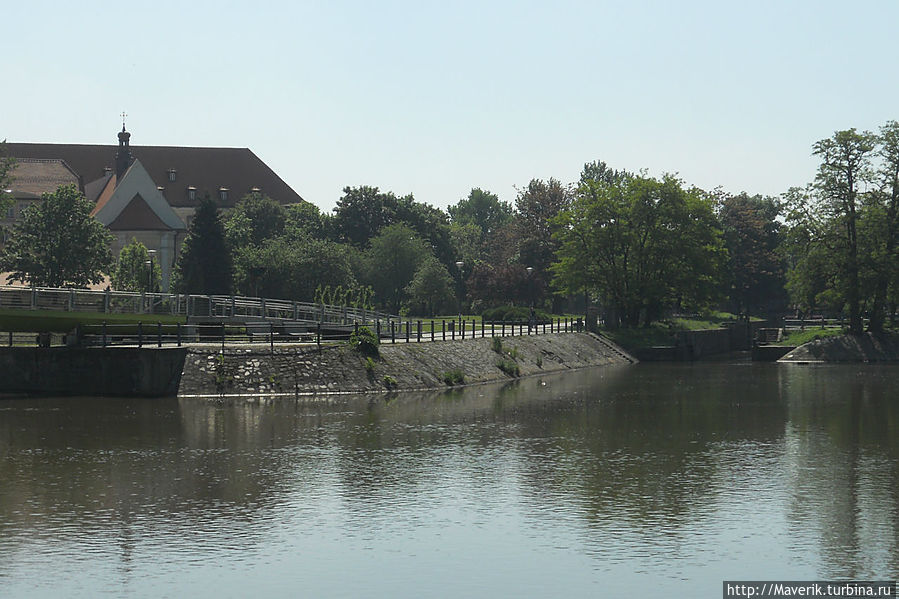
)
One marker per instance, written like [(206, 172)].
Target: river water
[(648, 480)]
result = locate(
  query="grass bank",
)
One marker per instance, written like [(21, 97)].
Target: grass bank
[(663, 332)]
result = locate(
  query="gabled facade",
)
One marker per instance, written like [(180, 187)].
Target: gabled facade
[(31, 178), (152, 193), (132, 207)]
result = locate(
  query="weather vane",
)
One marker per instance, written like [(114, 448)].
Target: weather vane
[(123, 119)]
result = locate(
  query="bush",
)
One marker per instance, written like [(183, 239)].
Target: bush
[(369, 365), (510, 367), (514, 314), (454, 377), (498, 345), (389, 381), (365, 342)]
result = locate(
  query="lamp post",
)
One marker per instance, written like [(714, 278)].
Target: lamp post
[(149, 264), (532, 320), (459, 265)]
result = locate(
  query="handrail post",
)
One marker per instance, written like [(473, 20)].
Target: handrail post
[(223, 337), (158, 334), (443, 326), (140, 334), (104, 334), (392, 332), (178, 333), (271, 336), (318, 336)]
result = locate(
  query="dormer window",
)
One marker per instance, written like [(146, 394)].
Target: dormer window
[(255, 189), (223, 194), (172, 174), (192, 193)]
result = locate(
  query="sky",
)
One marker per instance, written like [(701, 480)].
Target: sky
[(436, 98)]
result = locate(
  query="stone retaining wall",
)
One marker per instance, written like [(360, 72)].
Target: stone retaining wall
[(297, 370)]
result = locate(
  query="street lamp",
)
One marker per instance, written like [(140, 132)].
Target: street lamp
[(532, 320), (149, 265), (459, 265)]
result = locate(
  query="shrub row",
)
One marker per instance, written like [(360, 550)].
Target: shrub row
[(514, 314)]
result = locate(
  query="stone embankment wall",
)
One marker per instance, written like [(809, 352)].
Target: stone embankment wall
[(867, 347), (111, 371), (298, 370)]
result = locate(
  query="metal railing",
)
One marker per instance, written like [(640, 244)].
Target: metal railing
[(190, 306), (159, 334)]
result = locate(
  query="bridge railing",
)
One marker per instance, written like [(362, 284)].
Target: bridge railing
[(271, 332), (214, 306)]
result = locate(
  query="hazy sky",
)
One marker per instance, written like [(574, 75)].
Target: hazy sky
[(434, 98)]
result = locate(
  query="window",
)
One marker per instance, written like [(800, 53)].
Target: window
[(172, 174), (192, 194), (223, 194), (11, 212)]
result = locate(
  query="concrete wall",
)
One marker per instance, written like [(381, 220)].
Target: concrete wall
[(118, 371), (295, 370)]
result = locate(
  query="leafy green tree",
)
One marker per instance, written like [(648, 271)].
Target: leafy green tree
[(7, 165), (286, 269), (204, 265), (482, 209), (305, 220), (751, 235), (132, 272), (536, 207), (640, 245), (254, 219), (363, 212), (58, 243), (432, 286), (884, 208), (845, 158), (391, 262)]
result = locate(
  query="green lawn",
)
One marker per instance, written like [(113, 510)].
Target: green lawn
[(48, 321), (798, 338), (663, 332)]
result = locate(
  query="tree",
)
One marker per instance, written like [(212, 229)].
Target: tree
[(204, 265), (132, 272), (885, 216), (254, 219), (391, 261), (536, 207), (845, 158), (7, 165), (58, 243), (640, 245), (751, 235), (432, 286), (305, 220), (482, 209), (288, 269), (361, 213)]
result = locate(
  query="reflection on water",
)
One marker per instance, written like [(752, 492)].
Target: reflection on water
[(609, 481)]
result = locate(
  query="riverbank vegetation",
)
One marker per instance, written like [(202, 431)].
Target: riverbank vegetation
[(633, 249)]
